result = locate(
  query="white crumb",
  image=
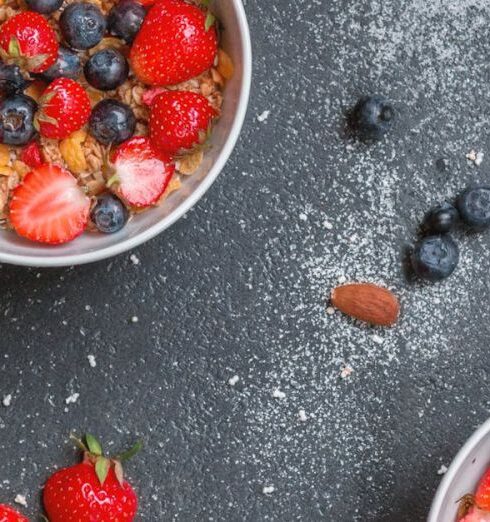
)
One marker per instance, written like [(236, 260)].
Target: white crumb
[(233, 380), (342, 279), (327, 225), (267, 490), (88, 307), (475, 157), (278, 394), (92, 361), (346, 372), (21, 500), (72, 399), (262, 117), (377, 339), (303, 217), (302, 415), (134, 319), (134, 259), (330, 310), (7, 400), (442, 470)]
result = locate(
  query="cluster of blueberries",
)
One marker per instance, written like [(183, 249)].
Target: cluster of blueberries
[(82, 26), (436, 255)]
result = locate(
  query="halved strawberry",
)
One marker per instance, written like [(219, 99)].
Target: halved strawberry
[(482, 495), (140, 174), (49, 206), (31, 155)]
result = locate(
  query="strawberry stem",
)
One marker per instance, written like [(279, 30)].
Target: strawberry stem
[(93, 444), (131, 452), (78, 442)]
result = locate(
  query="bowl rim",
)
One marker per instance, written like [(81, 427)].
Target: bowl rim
[(189, 202), (461, 457)]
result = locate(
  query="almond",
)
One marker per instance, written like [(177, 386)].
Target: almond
[(367, 302)]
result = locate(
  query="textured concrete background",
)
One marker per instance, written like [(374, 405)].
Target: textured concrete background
[(238, 289)]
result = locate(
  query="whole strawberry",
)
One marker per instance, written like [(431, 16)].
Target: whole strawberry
[(94, 490), (28, 40), (176, 42), (179, 120), (7, 514), (64, 108)]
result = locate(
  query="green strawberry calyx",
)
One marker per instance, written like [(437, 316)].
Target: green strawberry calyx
[(94, 454)]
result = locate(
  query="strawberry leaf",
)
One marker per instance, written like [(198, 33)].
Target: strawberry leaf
[(102, 466), (210, 20), (118, 470), (14, 48), (93, 444), (131, 452)]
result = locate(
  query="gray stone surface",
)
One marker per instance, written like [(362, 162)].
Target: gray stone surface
[(239, 287)]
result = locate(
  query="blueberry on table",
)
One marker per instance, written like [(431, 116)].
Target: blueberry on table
[(44, 6), (109, 214), (67, 65), (112, 122), (11, 79), (441, 219), (474, 207), (106, 70), (435, 257), (17, 119), (125, 19), (372, 117), (82, 25)]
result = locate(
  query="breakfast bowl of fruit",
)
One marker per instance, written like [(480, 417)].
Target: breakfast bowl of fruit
[(464, 492), (115, 118)]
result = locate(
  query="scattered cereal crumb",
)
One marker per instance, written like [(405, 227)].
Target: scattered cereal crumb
[(134, 259), (302, 415), (88, 307), (92, 361), (442, 470), (342, 279), (278, 394), (475, 157), (346, 372), (262, 117), (134, 319), (7, 400), (330, 310), (72, 399), (303, 216), (21, 500), (267, 490), (377, 339), (233, 380)]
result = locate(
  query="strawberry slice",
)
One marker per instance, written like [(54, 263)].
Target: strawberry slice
[(49, 206), (140, 173)]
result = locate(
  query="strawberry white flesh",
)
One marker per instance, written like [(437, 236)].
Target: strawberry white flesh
[(141, 173), (49, 206), (476, 515)]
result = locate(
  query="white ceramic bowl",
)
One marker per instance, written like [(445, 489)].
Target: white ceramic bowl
[(93, 247), (462, 476)]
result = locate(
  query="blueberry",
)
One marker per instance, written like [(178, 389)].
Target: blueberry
[(106, 69), (11, 79), (435, 257), (44, 6), (372, 117), (474, 207), (112, 122), (109, 214), (441, 219), (82, 25), (17, 119), (125, 19), (67, 65)]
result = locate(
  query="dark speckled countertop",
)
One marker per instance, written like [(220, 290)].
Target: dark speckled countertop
[(146, 345)]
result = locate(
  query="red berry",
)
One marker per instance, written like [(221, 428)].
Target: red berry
[(7, 514), (31, 155), (141, 174), (28, 40), (174, 44), (75, 493), (65, 108), (93, 491), (150, 95), (482, 496), (49, 206), (179, 120)]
